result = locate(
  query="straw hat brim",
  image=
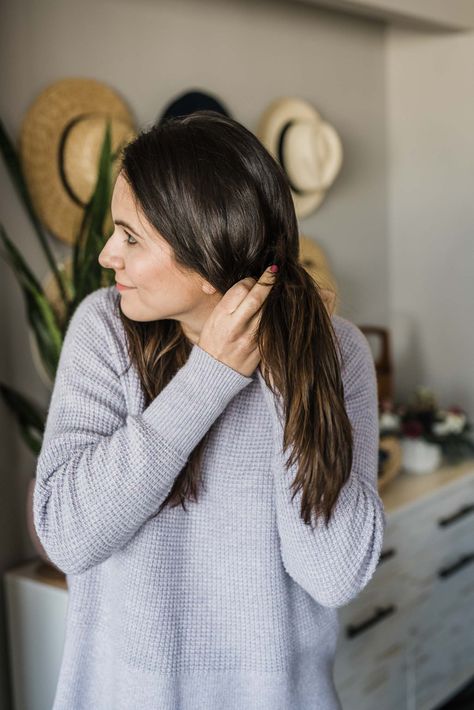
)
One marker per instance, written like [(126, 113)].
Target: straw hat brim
[(41, 140)]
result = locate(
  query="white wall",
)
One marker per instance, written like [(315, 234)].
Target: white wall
[(431, 211)]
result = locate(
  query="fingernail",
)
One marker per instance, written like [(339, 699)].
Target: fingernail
[(273, 268)]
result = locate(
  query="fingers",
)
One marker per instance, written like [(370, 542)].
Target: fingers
[(268, 278), (255, 297), (252, 326), (232, 298)]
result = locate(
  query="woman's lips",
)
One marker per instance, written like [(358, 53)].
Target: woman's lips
[(120, 287)]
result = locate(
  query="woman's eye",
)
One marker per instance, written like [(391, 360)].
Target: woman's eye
[(129, 236)]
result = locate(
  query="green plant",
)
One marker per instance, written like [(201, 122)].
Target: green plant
[(87, 275)]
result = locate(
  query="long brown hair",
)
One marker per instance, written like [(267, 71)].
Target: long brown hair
[(223, 203)]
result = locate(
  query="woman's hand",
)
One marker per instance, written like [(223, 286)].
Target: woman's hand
[(229, 332)]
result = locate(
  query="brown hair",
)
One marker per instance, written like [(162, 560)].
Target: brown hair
[(223, 203)]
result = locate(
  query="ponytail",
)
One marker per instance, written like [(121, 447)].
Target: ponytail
[(300, 362)]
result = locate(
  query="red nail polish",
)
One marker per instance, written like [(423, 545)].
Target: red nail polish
[(274, 268)]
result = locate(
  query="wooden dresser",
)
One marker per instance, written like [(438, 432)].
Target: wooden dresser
[(407, 641)]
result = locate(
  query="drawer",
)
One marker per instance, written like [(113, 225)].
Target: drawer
[(449, 507), (447, 602), (390, 582), (391, 585), (382, 686), (405, 568), (443, 638), (461, 632), (420, 538), (370, 667), (371, 635), (450, 512), (398, 531), (450, 550)]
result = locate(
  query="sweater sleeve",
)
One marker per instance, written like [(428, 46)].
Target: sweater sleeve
[(334, 564), (102, 472)]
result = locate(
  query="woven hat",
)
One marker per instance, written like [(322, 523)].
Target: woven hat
[(59, 145), (308, 149), (314, 260)]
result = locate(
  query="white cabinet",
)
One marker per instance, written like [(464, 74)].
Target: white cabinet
[(407, 640), (36, 599)]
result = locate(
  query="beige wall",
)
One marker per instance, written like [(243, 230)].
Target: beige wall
[(431, 211)]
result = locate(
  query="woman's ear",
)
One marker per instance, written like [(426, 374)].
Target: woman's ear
[(208, 288)]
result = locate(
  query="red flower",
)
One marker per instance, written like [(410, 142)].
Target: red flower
[(412, 428), (454, 409)]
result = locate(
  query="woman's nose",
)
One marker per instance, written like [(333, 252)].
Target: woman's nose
[(109, 259)]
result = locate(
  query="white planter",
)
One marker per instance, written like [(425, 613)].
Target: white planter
[(419, 456)]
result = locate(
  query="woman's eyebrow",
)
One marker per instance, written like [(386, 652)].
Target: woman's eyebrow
[(124, 224)]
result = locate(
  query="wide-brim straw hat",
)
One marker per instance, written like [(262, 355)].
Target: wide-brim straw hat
[(307, 147), (59, 145)]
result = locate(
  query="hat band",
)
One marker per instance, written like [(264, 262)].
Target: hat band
[(61, 148), (282, 159)]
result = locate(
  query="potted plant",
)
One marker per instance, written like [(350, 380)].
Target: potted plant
[(46, 323), (428, 434)]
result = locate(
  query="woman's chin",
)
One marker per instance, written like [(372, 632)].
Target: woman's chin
[(134, 312)]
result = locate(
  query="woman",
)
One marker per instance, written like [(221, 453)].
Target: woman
[(204, 564)]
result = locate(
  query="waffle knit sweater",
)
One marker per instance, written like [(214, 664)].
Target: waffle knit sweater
[(232, 604)]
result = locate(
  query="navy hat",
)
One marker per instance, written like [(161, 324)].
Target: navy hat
[(191, 101)]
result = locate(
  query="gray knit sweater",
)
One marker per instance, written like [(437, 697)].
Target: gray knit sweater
[(232, 604)]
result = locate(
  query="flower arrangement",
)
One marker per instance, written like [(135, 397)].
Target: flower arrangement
[(423, 419)]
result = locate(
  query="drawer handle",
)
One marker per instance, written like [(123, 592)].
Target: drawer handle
[(379, 614), (386, 554), (465, 510), (462, 562)]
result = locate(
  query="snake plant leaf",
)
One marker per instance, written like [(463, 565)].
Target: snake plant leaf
[(17, 262), (89, 278), (29, 416), (41, 315), (86, 268), (46, 328), (13, 165)]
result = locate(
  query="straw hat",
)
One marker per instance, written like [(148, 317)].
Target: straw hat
[(60, 142), (308, 149), (314, 260)]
